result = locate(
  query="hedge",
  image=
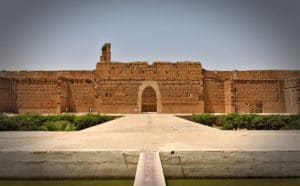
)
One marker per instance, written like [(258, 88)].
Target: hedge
[(206, 118), (61, 122), (249, 121)]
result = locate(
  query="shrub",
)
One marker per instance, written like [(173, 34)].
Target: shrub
[(206, 119), (249, 121), (294, 123), (227, 126), (255, 122), (89, 120), (295, 117), (28, 121), (276, 122), (42, 128), (33, 121), (58, 126), (6, 123), (229, 121), (218, 121), (241, 121), (66, 117)]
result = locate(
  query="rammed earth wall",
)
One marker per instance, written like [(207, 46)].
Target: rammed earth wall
[(182, 87)]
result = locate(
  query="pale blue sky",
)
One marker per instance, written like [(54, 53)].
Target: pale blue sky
[(222, 34)]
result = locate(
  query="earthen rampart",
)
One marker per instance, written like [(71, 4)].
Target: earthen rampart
[(164, 87)]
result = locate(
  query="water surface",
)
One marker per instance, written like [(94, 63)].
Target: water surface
[(170, 182)]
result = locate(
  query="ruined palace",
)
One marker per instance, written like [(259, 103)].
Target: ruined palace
[(163, 87)]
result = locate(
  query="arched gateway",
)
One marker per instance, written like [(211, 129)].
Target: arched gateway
[(149, 100), (149, 97)]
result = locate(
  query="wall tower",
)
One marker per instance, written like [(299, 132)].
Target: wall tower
[(105, 56)]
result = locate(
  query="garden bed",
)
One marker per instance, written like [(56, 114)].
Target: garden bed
[(247, 121), (61, 122)]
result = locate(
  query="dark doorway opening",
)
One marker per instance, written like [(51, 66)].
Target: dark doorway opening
[(149, 100)]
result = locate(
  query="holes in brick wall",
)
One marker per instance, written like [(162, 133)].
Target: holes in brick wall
[(108, 94)]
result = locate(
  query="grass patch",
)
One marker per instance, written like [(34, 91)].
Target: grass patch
[(235, 121), (61, 122)]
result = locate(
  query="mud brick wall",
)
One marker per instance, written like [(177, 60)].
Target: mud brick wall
[(213, 95), (180, 85), (48, 74), (116, 96), (181, 92), (5, 95), (141, 71), (209, 74), (252, 74), (36, 95), (80, 95), (228, 96), (62, 95), (259, 96), (292, 95), (182, 96), (266, 74)]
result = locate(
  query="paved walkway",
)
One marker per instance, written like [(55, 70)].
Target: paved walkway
[(154, 132)]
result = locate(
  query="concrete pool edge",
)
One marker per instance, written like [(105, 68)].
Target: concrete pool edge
[(122, 164)]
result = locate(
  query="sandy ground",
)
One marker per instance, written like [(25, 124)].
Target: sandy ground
[(154, 132)]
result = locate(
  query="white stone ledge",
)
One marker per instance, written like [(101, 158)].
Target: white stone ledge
[(122, 164)]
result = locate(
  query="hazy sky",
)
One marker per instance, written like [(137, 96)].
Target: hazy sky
[(222, 34)]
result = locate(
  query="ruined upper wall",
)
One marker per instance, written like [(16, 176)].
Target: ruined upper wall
[(165, 70), (144, 71), (252, 74), (105, 53), (48, 74)]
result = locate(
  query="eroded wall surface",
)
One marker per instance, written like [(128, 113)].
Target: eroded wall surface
[(182, 87), (292, 95), (214, 95), (5, 92), (36, 95), (179, 90), (265, 91), (259, 96)]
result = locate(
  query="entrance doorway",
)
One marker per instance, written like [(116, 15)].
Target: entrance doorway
[(149, 100)]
